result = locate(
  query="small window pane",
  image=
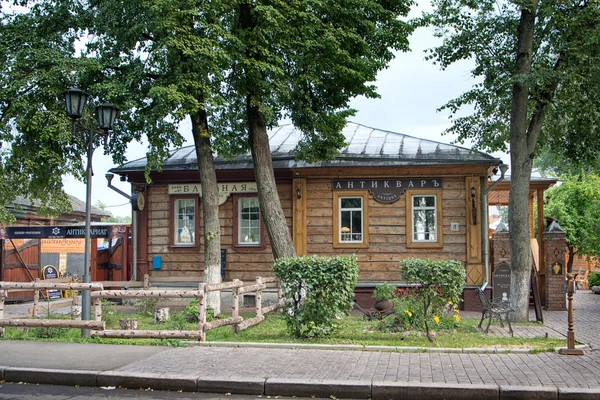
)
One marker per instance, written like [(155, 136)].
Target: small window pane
[(351, 220), (424, 219), (248, 221), (185, 222)]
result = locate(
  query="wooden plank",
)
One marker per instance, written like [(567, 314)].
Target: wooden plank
[(148, 334), (211, 287), (299, 227), (159, 294), (473, 225), (250, 322), (106, 284), (251, 288), (271, 308), (222, 322), (52, 323), (46, 286)]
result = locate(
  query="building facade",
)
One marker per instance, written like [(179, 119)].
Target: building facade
[(386, 197)]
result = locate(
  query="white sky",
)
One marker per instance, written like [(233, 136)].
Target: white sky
[(411, 90)]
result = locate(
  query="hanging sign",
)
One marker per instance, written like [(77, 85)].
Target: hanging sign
[(387, 190), (225, 189)]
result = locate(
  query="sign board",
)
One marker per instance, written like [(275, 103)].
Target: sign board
[(225, 189), (50, 272), (387, 190), (501, 281), (62, 232)]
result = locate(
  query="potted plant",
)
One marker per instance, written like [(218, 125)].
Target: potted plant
[(383, 295)]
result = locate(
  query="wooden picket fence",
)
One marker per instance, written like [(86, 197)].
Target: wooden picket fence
[(98, 293)]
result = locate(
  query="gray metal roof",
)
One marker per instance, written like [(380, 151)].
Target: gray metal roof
[(366, 146), (77, 205)]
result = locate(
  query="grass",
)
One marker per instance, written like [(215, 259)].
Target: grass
[(352, 331)]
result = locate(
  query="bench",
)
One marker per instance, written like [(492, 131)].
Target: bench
[(495, 308)]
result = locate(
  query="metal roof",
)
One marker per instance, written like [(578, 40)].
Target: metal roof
[(366, 146)]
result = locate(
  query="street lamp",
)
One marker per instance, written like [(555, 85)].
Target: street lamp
[(75, 100)]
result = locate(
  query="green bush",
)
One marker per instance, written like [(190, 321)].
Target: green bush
[(191, 312), (437, 285), (385, 291), (146, 306), (109, 313), (594, 279), (317, 290)]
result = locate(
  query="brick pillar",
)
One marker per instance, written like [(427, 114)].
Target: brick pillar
[(555, 251)]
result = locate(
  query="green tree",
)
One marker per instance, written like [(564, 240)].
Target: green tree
[(244, 64), (537, 64), (575, 204), (117, 219)]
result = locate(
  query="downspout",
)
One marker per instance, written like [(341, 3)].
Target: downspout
[(484, 221), (109, 177)]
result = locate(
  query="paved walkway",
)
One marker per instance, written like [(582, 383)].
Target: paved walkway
[(271, 363)]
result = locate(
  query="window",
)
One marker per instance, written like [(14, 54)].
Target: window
[(423, 219), (184, 222), (350, 219), (248, 226)]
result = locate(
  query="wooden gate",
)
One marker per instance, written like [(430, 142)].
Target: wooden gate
[(20, 263)]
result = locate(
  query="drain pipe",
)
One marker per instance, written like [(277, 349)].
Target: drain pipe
[(109, 177), (484, 221)]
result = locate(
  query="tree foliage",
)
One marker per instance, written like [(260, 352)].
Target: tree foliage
[(317, 290), (575, 204), (537, 65)]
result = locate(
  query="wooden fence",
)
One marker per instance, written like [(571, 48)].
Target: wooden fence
[(98, 293), (5, 287)]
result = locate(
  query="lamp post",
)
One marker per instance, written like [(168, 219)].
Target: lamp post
[(75, 100)]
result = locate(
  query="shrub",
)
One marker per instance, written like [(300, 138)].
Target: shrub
[(594, 279), (438, 283), (317, 290), (190, 312), (385, 291), (109, 313), (146, 306)]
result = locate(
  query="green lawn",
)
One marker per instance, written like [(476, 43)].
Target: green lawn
[(352, 331)]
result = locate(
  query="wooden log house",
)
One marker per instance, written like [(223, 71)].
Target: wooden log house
[(386, 197)]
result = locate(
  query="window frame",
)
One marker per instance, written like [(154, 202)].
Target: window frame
[(410, 242), (337, 196), (235, 243), (173, 221)]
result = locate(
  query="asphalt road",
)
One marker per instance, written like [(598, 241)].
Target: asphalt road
[(15, 391)]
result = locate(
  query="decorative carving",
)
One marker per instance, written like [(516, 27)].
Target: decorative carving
[(557, 268)]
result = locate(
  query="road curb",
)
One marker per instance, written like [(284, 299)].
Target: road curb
[(389, 349), (254, 386), (68, 377), (378, 390), (318, 388), (143, 380), (431, 391), (508, 392)]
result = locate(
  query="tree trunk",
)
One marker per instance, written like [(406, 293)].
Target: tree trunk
[(571, 259), (521, 157), (282, 244), (210, 207)]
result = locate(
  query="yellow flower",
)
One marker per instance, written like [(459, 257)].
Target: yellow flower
[(456, 310), (408, 312), (457, 318), (436, 319), (450, 303)]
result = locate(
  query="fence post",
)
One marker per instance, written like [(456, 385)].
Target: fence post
[(97, 309), (280, 295), (36, 301), (2, 297), (235, 306), (146, 281), (259, 298), (202, 312)]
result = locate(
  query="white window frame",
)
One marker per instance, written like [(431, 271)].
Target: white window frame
[(338, 231), (176, 223), (240, 240), (411, 239)]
